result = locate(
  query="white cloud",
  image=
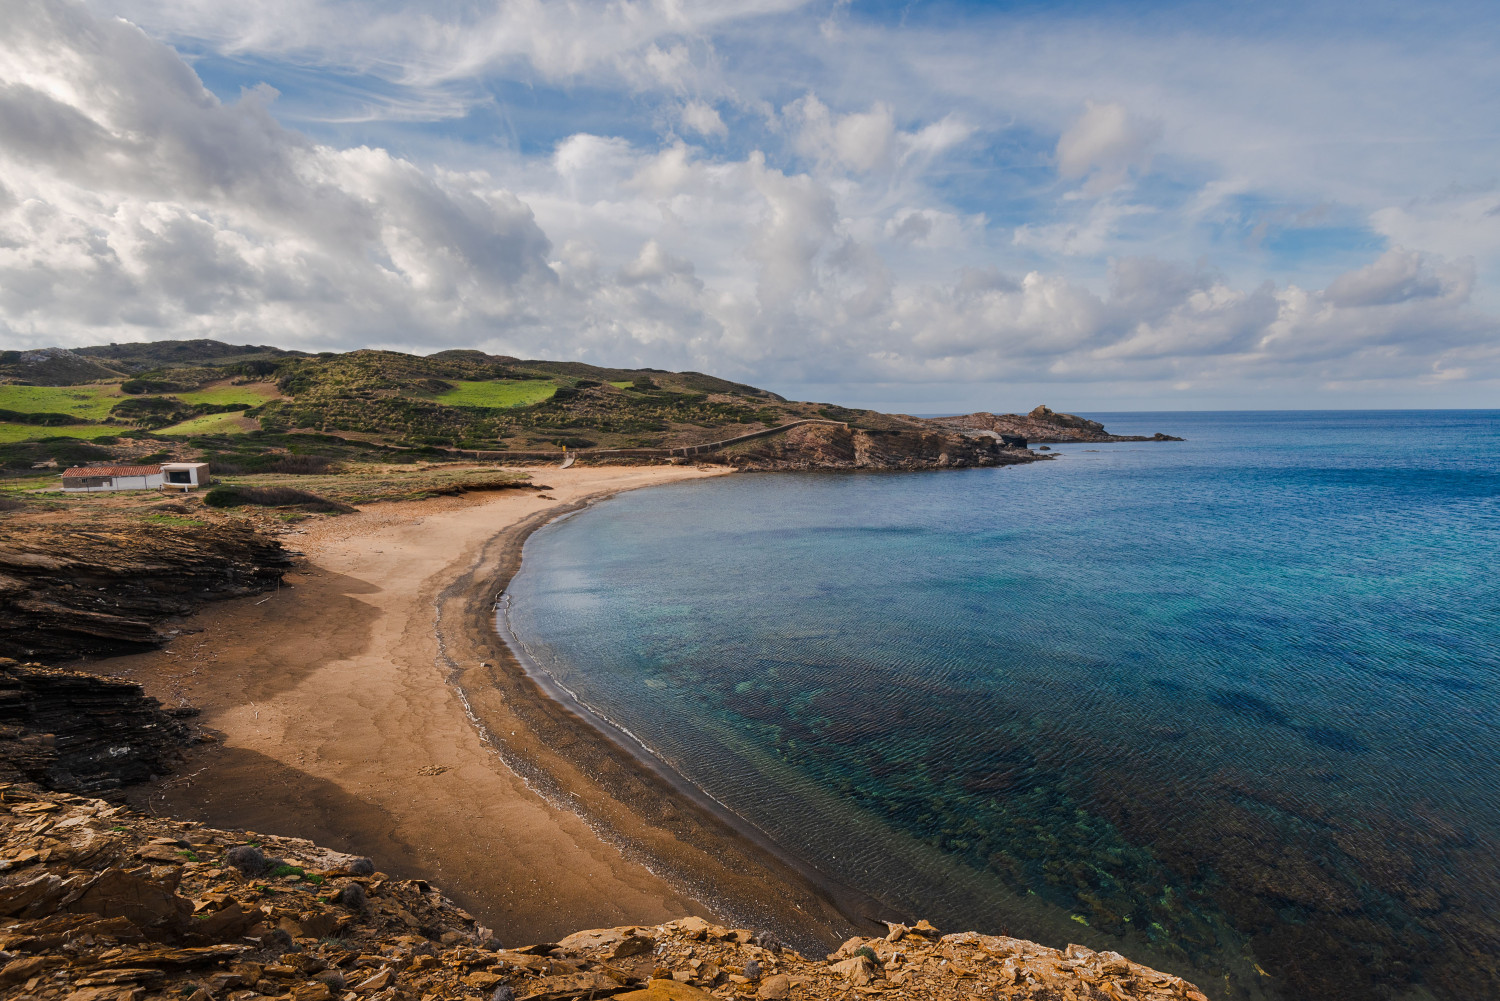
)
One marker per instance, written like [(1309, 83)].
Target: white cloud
[(1399, 276), (859, 141), (1104, 146), (703, 119)]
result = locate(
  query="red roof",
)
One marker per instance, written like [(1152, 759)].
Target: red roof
[(111, 471)]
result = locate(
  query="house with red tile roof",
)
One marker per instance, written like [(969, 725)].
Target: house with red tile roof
[(170, 475)]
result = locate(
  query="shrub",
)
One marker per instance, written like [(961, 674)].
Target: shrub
[(301, 465), (232, 495), (137, 386), (66, 451), (240, 463)]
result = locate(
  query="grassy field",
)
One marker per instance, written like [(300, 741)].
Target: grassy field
[(622, 384), (89, 402), (30, 432), (231, 423), (499, 394), (254, 394)]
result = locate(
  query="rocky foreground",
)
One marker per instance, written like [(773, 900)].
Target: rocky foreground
[(101, 903)]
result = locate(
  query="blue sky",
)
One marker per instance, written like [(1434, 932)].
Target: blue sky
[(922, 206)]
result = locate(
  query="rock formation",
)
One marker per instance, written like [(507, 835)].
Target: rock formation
[(99, 903), (82, 733), (831, 446), (1042, 425), (68, 591)]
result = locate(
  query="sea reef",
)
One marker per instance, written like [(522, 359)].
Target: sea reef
[(81, 733), (101, 903), (1042, 425), (904, 447), (68, 591)]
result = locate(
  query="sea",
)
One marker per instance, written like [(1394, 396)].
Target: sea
[(1229, 706)]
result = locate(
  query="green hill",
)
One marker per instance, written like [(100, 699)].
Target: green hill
[(176, 391), (237, 405)]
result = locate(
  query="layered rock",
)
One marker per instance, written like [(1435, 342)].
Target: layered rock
[(1042, 425), (81, 733), (69, 592), (99, 903)]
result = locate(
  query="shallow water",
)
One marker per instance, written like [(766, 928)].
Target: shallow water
[(1220, 704)]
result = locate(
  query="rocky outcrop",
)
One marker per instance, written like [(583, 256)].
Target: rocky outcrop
[(81, 733), (68, 592), (833, 446), (99, 903), (1042, 425)]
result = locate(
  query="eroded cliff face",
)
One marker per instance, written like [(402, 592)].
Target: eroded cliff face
[(1042, 425), (81, 733), (68, 591), (828, 446), (100, 903)]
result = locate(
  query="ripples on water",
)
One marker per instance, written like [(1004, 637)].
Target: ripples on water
[(1216, 704)]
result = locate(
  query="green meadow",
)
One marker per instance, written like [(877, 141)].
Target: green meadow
[(230, 423), (253, 394), (498, 394), (91, 403), (10, 433)]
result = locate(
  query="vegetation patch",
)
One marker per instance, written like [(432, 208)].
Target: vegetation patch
[(252, 394), (63, 451), (235, 495), (10, 433), (174, 521), (89, 403), (500, 394), (211, 424)]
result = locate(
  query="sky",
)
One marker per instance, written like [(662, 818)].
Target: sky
[(919, 206)]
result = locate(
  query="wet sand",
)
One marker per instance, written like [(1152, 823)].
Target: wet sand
[(370, 706)]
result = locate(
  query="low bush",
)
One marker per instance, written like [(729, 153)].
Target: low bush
[(241, 463), (233, 495)]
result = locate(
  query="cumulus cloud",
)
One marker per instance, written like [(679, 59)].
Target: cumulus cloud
[(145, 202), (1398, 276), (133, 203)]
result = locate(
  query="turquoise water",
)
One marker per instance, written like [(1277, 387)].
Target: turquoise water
[(1227, 705)]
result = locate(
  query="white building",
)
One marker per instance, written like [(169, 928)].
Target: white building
[(184, 475), (171, 475)]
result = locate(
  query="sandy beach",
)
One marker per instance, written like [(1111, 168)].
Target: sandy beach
[(369, 705)]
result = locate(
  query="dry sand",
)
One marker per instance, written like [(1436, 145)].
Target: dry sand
[(340, 703)]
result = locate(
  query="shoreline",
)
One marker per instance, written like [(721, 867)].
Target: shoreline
[(644, 781), (339, 716)]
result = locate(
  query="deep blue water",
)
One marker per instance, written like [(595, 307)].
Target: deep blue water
[(1220, 704)]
